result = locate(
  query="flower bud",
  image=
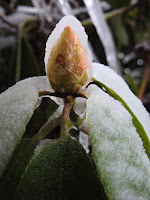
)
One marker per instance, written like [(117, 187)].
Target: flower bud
[(67, 67)]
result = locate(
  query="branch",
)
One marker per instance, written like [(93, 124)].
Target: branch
[(121, 10), (69, 101), (7, 22), (114, 13)]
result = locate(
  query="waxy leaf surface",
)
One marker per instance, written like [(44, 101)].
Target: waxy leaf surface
[(61, 170), (17, 106)]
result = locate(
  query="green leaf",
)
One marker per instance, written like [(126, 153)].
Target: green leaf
[(17, 106), (22, 31), (136, 122), (7, 41), (122, 164), (61, 170), (15, 168), (29, 61), (131, 82), (120, 31), (118, 89), (17, 164), (18, 17), (118, 4)]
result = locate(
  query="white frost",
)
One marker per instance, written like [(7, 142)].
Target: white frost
[(108, 77), (84, 140), (17, 18), (118, 151), (65, 7), (41, 83), (17, 105), (80, 105)]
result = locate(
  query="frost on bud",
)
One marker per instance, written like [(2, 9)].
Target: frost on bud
[(67, 65)]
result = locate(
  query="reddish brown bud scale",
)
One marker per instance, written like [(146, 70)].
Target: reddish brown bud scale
[(67, 65)]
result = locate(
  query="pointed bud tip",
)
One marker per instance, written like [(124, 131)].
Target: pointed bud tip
[(67, 65)]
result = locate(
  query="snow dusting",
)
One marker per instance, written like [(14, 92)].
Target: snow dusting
[(17, 105), (109, 78), (80, 105), (120, 157), (79, 31), (84, 140)]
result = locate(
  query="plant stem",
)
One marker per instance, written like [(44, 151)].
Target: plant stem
[(47, 128), (69, 101), (7, 22), (121, 11), (144, 81), (113, 13)]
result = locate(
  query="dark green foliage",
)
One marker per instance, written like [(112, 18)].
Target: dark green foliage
[(29, 64), (118, 4), (17, 164), (61, 170)]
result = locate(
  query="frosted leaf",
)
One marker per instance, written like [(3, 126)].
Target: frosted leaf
[(79, 31), (84, 126), (44, 85), (57, 100), (17, 17), (28, 9), (17, 105), (80, 103), (38, 103), (84, 140), (92, 89), (41, 83), (79, 106), (120, 158), (109, 78)]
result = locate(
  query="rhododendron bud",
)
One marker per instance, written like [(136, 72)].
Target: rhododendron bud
[(67, 60)]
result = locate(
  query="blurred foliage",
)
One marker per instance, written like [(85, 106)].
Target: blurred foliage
[(24, 31), (117, 4)]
